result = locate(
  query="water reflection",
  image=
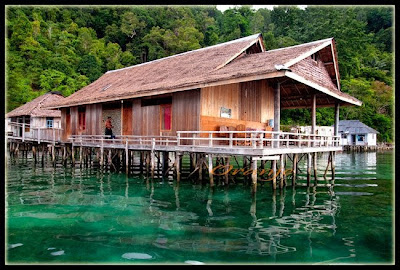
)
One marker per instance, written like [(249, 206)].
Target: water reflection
[(121, 212)]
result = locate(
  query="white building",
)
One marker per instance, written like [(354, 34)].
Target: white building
[(354, 132)]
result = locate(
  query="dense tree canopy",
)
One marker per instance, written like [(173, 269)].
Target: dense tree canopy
[(65, 48)]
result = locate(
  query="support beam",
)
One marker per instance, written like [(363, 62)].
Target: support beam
[(254, 175), (294, 173), (336, 125), (277, 110), (210, 170), (313, 116), (274, 174), (308, 169)]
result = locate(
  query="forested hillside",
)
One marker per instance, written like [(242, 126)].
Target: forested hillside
[(65, 48)]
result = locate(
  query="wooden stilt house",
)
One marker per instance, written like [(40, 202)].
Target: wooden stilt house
[(32, 122), (232, 86)]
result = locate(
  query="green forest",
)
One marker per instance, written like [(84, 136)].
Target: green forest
[(64, 48)]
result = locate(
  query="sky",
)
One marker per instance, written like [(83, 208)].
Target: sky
[(270, 7)]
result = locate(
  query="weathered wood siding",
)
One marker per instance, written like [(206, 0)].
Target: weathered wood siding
[(215, 97), (186, 110), (93, 116), (267, 101), (146, 119), (250, 101), (251, 104)]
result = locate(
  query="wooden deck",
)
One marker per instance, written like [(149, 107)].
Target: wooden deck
[(249, 143)]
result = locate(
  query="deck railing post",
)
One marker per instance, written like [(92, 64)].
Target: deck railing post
[(230, 140), (210, 142), (261, 140), (54, 134), (309, 142), (178, 139), (23, 132), (287, 141)]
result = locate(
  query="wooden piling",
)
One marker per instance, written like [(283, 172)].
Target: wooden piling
[(308, 169), (294, 173), (254, 175), (210, 169), (34, 154), (315, 167), (274, 174), (281, 172), (178, 166), (227, 159)]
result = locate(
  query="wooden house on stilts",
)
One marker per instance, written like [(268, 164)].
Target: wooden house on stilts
[(216, 102)]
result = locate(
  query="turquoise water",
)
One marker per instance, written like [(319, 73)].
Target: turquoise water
[(73, 216)]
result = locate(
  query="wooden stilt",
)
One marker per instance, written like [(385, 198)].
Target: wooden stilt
[(254, 175), (274, 176), (178, 167), (152, 163), (43, 154), (333, 164), (294, 173), (308, 169), (34, 154), (210, 169), (282, 172), (315, 168), (200, 165), (226, 176)]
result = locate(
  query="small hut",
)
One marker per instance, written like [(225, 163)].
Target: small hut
[(354, 132), (32, 121)]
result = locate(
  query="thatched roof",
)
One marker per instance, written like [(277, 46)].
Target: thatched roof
[(34, 107), (199, 68)]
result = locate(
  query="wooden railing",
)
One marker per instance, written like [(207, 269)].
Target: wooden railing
[(227, 139), (255, 139), (39, 134), (123, 139)]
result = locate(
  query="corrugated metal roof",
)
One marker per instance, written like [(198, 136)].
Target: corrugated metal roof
[(355, 127)]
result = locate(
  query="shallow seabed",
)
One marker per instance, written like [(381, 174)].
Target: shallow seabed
[(73, 216)]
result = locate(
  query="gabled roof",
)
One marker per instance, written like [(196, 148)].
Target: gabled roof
[(355, 127), (219, 64), (34, 107)]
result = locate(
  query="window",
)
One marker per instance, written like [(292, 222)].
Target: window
[(81, 118), (360, 138), (166, 117), (49, 122), (344, 136)]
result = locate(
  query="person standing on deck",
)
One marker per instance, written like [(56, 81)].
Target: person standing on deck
[(109, 126)]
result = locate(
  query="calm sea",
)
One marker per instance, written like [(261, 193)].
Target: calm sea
[(73, 216)]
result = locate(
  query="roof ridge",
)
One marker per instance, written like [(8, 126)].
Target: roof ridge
[(299, 45), (192, 51)]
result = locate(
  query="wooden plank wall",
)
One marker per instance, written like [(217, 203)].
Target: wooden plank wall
[(252, 104), (250, 101), (186, 110), (215, 97), (267, 101)]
